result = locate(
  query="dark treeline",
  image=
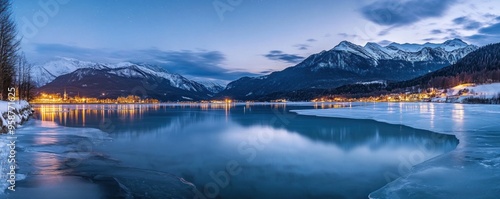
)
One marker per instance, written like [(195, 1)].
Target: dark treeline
[(9, 47), (494, 100), (14, 69), (348, 91)]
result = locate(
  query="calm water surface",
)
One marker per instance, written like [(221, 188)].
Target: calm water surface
[(212, 151)]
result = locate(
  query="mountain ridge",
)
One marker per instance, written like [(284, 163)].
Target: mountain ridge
[(479, 67), (49, 71), (348, 63), (111, 83)]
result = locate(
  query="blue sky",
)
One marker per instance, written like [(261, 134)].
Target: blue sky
[(226, 39)]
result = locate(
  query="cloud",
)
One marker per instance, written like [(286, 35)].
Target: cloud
[(486, 35), (429, 39), (348, 35), (200, 64), (491, 30), (451, 33), (482, 39), (436, 31), (473, 25), (401, 13), (64, 49), (467, 23), (280, 56), (488, 15), (460, 20), (51, 51), (302, 46), (477, 37), (384, 42), (267, 71), (384, 32)]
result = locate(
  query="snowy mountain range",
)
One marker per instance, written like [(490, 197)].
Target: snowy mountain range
[(346, 63), (46, 73), (450, 51), (449, 45), (349, 63)]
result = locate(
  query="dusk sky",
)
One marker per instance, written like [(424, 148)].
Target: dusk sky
[(227, 39)]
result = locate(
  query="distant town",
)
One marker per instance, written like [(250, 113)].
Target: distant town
[(464, 93), (57, 98)]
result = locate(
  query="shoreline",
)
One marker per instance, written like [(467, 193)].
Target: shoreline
[(22, 111), (12, 115), (49, 182), (447, 120)]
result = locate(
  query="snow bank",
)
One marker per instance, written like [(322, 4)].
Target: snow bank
[(472, 170), (21, 110)]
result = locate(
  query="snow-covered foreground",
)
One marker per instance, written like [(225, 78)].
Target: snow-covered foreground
[(472, 170), (21, 110)]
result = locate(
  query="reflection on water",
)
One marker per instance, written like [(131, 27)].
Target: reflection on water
[(78, 115), (45, 140), (458, 113), (48, 161), (279, 154)]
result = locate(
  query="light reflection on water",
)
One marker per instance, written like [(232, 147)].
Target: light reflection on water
[(282, 155), (48, 161), (75, 115)]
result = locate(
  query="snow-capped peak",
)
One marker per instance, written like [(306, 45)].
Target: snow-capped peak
[(45, 73), (378, 52), (372, 45), (212, 86), (450, 50), (407, 47), (448, 46), (454, 44), (347, 46), (124, 64), (455, 41), (353, 48)]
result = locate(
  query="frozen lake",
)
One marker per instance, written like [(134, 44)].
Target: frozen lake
[(216, 151), (472, 170)]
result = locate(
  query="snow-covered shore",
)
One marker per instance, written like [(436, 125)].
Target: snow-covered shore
[(472, 170), (470, 93), (19, 113)]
